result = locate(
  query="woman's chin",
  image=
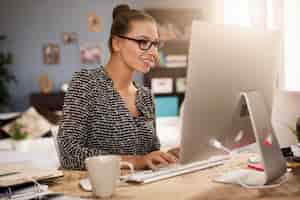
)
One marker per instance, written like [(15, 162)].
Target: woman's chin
[(145, 68)]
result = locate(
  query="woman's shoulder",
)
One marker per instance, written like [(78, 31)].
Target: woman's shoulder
[(86, 79), (88, 74)]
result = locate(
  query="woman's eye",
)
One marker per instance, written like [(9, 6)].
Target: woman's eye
[(144, 42)]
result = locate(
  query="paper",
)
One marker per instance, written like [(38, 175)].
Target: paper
[(7, 116), (26, 173), (162, 85), (168, 131), (180, 84)]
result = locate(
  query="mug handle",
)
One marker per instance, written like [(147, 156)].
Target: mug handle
[(130, 165)]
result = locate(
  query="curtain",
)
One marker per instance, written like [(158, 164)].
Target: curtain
[(279, 15)]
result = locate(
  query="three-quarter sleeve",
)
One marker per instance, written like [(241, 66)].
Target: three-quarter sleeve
[(73, 129)]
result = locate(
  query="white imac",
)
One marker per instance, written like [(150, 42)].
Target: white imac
[(229, 94), (225, 61)]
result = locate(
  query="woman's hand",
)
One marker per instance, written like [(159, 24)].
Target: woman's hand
[(158, 158), (151, 160)]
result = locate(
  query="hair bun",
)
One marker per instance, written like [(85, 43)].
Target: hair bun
[(120, 9)]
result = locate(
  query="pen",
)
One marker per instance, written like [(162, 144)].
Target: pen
[(9, 173)]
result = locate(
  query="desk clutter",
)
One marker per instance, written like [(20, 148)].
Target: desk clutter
[(30, 122), (21, 181), (198, 183), (20, 173)]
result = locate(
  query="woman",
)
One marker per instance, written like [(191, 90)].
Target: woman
[(105, 112)]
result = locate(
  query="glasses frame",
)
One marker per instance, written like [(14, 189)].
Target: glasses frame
[(157, 44)]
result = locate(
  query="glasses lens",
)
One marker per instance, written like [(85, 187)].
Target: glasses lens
[(145, 44)]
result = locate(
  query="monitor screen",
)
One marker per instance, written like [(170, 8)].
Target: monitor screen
[(225, 60)]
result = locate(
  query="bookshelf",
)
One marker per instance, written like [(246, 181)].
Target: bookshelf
[(174, 26)]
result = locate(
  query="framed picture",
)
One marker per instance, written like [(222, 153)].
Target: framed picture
[(51, 54), (162, 85), (94, 23), (180, 84), (90, 54), (69, 37)]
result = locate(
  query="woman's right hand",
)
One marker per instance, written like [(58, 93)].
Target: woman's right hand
[(151, 160)]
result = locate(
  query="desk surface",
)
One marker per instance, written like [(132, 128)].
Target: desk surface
[(191, 186)]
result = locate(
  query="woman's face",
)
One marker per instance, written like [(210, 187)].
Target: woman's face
[(134, 46)]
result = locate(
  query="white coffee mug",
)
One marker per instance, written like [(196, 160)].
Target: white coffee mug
[(104, 173)]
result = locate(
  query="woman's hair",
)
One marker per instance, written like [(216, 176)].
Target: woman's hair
[(122, 18)]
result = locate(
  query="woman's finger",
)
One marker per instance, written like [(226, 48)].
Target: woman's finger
[(150, 164), (175, 152), (159, 159), (169, 157)]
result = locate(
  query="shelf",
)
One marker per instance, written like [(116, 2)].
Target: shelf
[(176, 47), (164, 72)]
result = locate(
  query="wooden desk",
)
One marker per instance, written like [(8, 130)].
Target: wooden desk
[(192, 186)]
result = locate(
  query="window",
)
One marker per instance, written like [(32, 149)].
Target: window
[(272, 14), (291, 45), (237, 12)]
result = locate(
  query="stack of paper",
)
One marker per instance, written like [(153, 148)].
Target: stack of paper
[(19, 173)]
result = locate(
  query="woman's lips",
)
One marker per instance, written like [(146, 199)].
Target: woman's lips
[(149, 63)]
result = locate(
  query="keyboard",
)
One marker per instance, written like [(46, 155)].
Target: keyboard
[(149, 176)]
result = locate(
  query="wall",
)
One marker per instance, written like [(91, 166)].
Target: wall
[(31, 23)]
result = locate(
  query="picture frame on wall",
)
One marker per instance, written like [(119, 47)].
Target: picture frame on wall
[(162, 85), (181, 85), (94, 22), (69, 37), (51, 54), (90, 53)]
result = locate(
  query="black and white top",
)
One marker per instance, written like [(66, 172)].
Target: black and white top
[(97, 121)]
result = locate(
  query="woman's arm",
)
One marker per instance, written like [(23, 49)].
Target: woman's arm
[(74, 125)]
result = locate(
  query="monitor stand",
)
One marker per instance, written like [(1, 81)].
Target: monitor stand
[(269, 150)]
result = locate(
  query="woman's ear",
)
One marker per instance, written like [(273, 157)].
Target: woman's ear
[(115, 43)]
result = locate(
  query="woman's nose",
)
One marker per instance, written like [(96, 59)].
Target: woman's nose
[(153, 51)]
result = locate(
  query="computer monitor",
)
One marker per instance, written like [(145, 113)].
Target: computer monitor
[(224, 61)]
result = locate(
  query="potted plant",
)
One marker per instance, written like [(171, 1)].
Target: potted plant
[(19, 137), (5, 76)]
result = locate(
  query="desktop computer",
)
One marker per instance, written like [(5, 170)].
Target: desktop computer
[(230, 83), (229, 95), (225, 61)]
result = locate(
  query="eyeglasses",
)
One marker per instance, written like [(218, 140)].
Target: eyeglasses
[(144, 44)]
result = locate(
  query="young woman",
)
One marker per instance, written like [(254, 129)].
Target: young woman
[(105, 112)]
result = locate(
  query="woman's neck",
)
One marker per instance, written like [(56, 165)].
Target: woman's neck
[(121, 75)]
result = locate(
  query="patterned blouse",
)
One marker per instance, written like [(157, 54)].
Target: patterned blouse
[(97, 121)]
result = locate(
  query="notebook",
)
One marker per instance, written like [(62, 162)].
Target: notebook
[(19, 173)]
